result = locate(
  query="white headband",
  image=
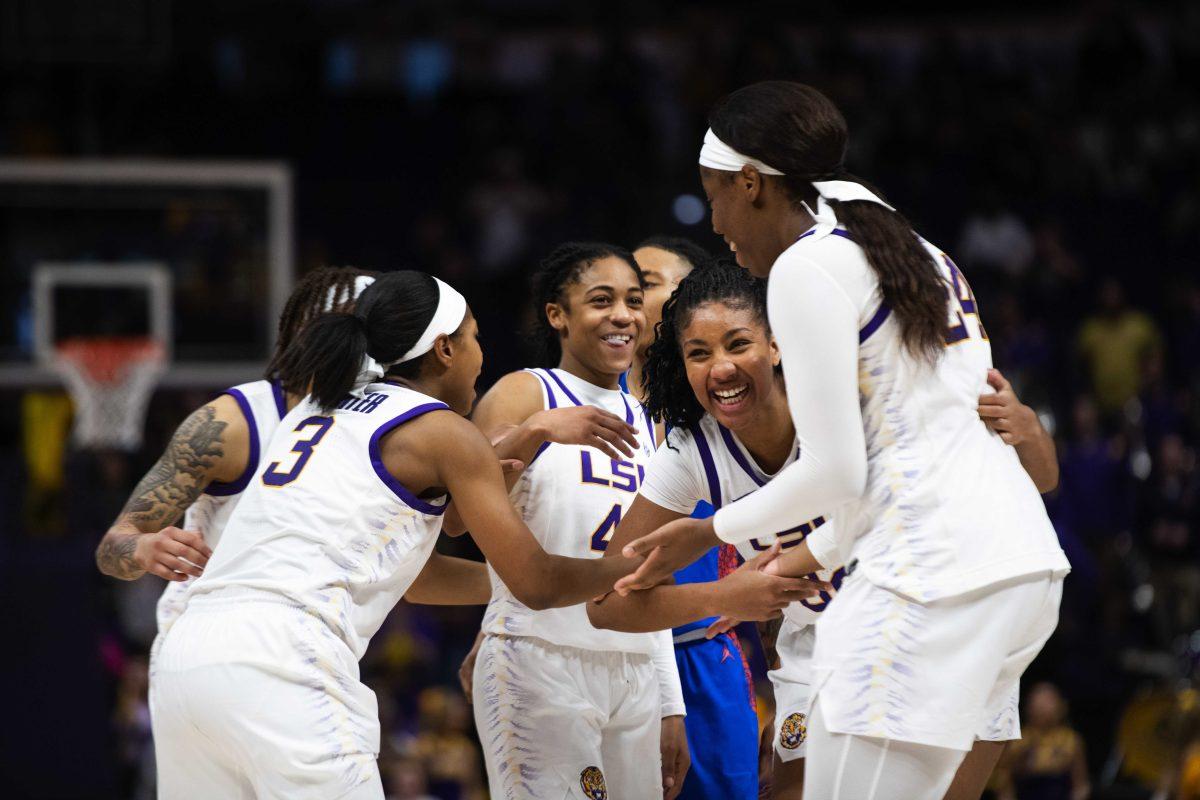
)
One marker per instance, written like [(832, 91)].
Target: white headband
[(715, 154), (450, 313), (361, 282)]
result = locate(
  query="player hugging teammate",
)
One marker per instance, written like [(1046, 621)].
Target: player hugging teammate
[(843, 420)]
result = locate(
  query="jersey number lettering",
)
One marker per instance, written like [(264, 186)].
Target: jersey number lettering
[(962, 302), (304, 448), (603, 534)]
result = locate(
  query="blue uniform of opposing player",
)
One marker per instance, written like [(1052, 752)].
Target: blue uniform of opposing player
[(722, 721)]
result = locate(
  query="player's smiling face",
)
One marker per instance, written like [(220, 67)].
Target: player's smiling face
[(602, 319), (732, 198), (730, 360)]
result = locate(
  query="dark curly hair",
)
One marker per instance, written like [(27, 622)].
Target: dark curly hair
[(556, 272), (800, 132), (669, 396)]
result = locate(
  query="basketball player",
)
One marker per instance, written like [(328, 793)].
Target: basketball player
[(714, 339), (211, 459), (722, 719), (955, 572), (562, 709), (258, 679)]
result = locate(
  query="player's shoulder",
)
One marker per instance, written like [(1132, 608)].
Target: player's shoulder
[(512, 399), (683, 438)]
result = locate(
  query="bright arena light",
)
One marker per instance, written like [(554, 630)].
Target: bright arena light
[(688, 209)]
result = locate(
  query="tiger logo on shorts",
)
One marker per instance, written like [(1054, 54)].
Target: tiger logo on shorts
[(591, 780), (793, 732)]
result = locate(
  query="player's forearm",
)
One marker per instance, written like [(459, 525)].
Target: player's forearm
[(449, 581), (564, 581), (667, 606), (115, 553), (798, 562), (521, 442), (1039, 457)]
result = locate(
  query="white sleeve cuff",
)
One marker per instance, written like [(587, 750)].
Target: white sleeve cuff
[(823, 544), (670, 690)]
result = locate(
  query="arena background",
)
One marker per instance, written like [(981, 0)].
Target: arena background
[(1053, 152)]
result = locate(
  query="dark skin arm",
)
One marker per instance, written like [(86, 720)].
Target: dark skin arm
[(440, 451), (449, 581), (212, 444), (511, 414), (747, 594), (512, 418), (1018, 425)]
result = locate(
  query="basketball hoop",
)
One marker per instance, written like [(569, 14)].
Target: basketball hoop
[(110, 380)]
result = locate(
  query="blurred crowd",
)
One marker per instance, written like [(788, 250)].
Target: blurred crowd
[(1055, 157)]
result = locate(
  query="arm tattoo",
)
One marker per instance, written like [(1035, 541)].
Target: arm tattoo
[(166, 491)]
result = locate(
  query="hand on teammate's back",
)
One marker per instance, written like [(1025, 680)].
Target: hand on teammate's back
[(1004, 413), (172, 553), (587, 425)]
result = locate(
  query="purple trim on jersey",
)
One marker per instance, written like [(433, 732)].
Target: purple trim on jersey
[(650, 427), (739, 456), (628, 410), (710, 466), (407, 497), (570, 395), (219, 489), (280, 398), (880, 316), (835, 232), (552, 403)]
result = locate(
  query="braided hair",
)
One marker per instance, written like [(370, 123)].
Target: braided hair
[(555, 273), (323, 289), (669, 396), (388, 319), (799, 131)]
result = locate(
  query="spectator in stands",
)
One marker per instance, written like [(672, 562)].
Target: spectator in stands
[(1048, 762), (1169, 511), (1116, 341)]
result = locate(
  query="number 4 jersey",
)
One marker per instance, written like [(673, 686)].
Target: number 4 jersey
[(572, 498), (322, 525)]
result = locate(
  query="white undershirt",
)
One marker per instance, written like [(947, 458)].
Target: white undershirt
[(816, 324)]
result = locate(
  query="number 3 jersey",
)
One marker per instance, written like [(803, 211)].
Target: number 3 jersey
[(705, 461), (323, 526), (572, 498)]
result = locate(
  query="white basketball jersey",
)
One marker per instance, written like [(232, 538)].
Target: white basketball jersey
[(706, 461), (263, 404), (947, 508), (323, 525), (572, 498)]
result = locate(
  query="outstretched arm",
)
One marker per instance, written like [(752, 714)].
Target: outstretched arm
[(450, 581), (464, 463), (816, 326), (211, 444), (746, 594)]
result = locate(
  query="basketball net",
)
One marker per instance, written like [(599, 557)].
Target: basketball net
[(110, 380)]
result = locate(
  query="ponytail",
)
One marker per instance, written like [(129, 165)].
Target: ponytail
[(801, 133), (909, 281), (327, 359), (389, 318)]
